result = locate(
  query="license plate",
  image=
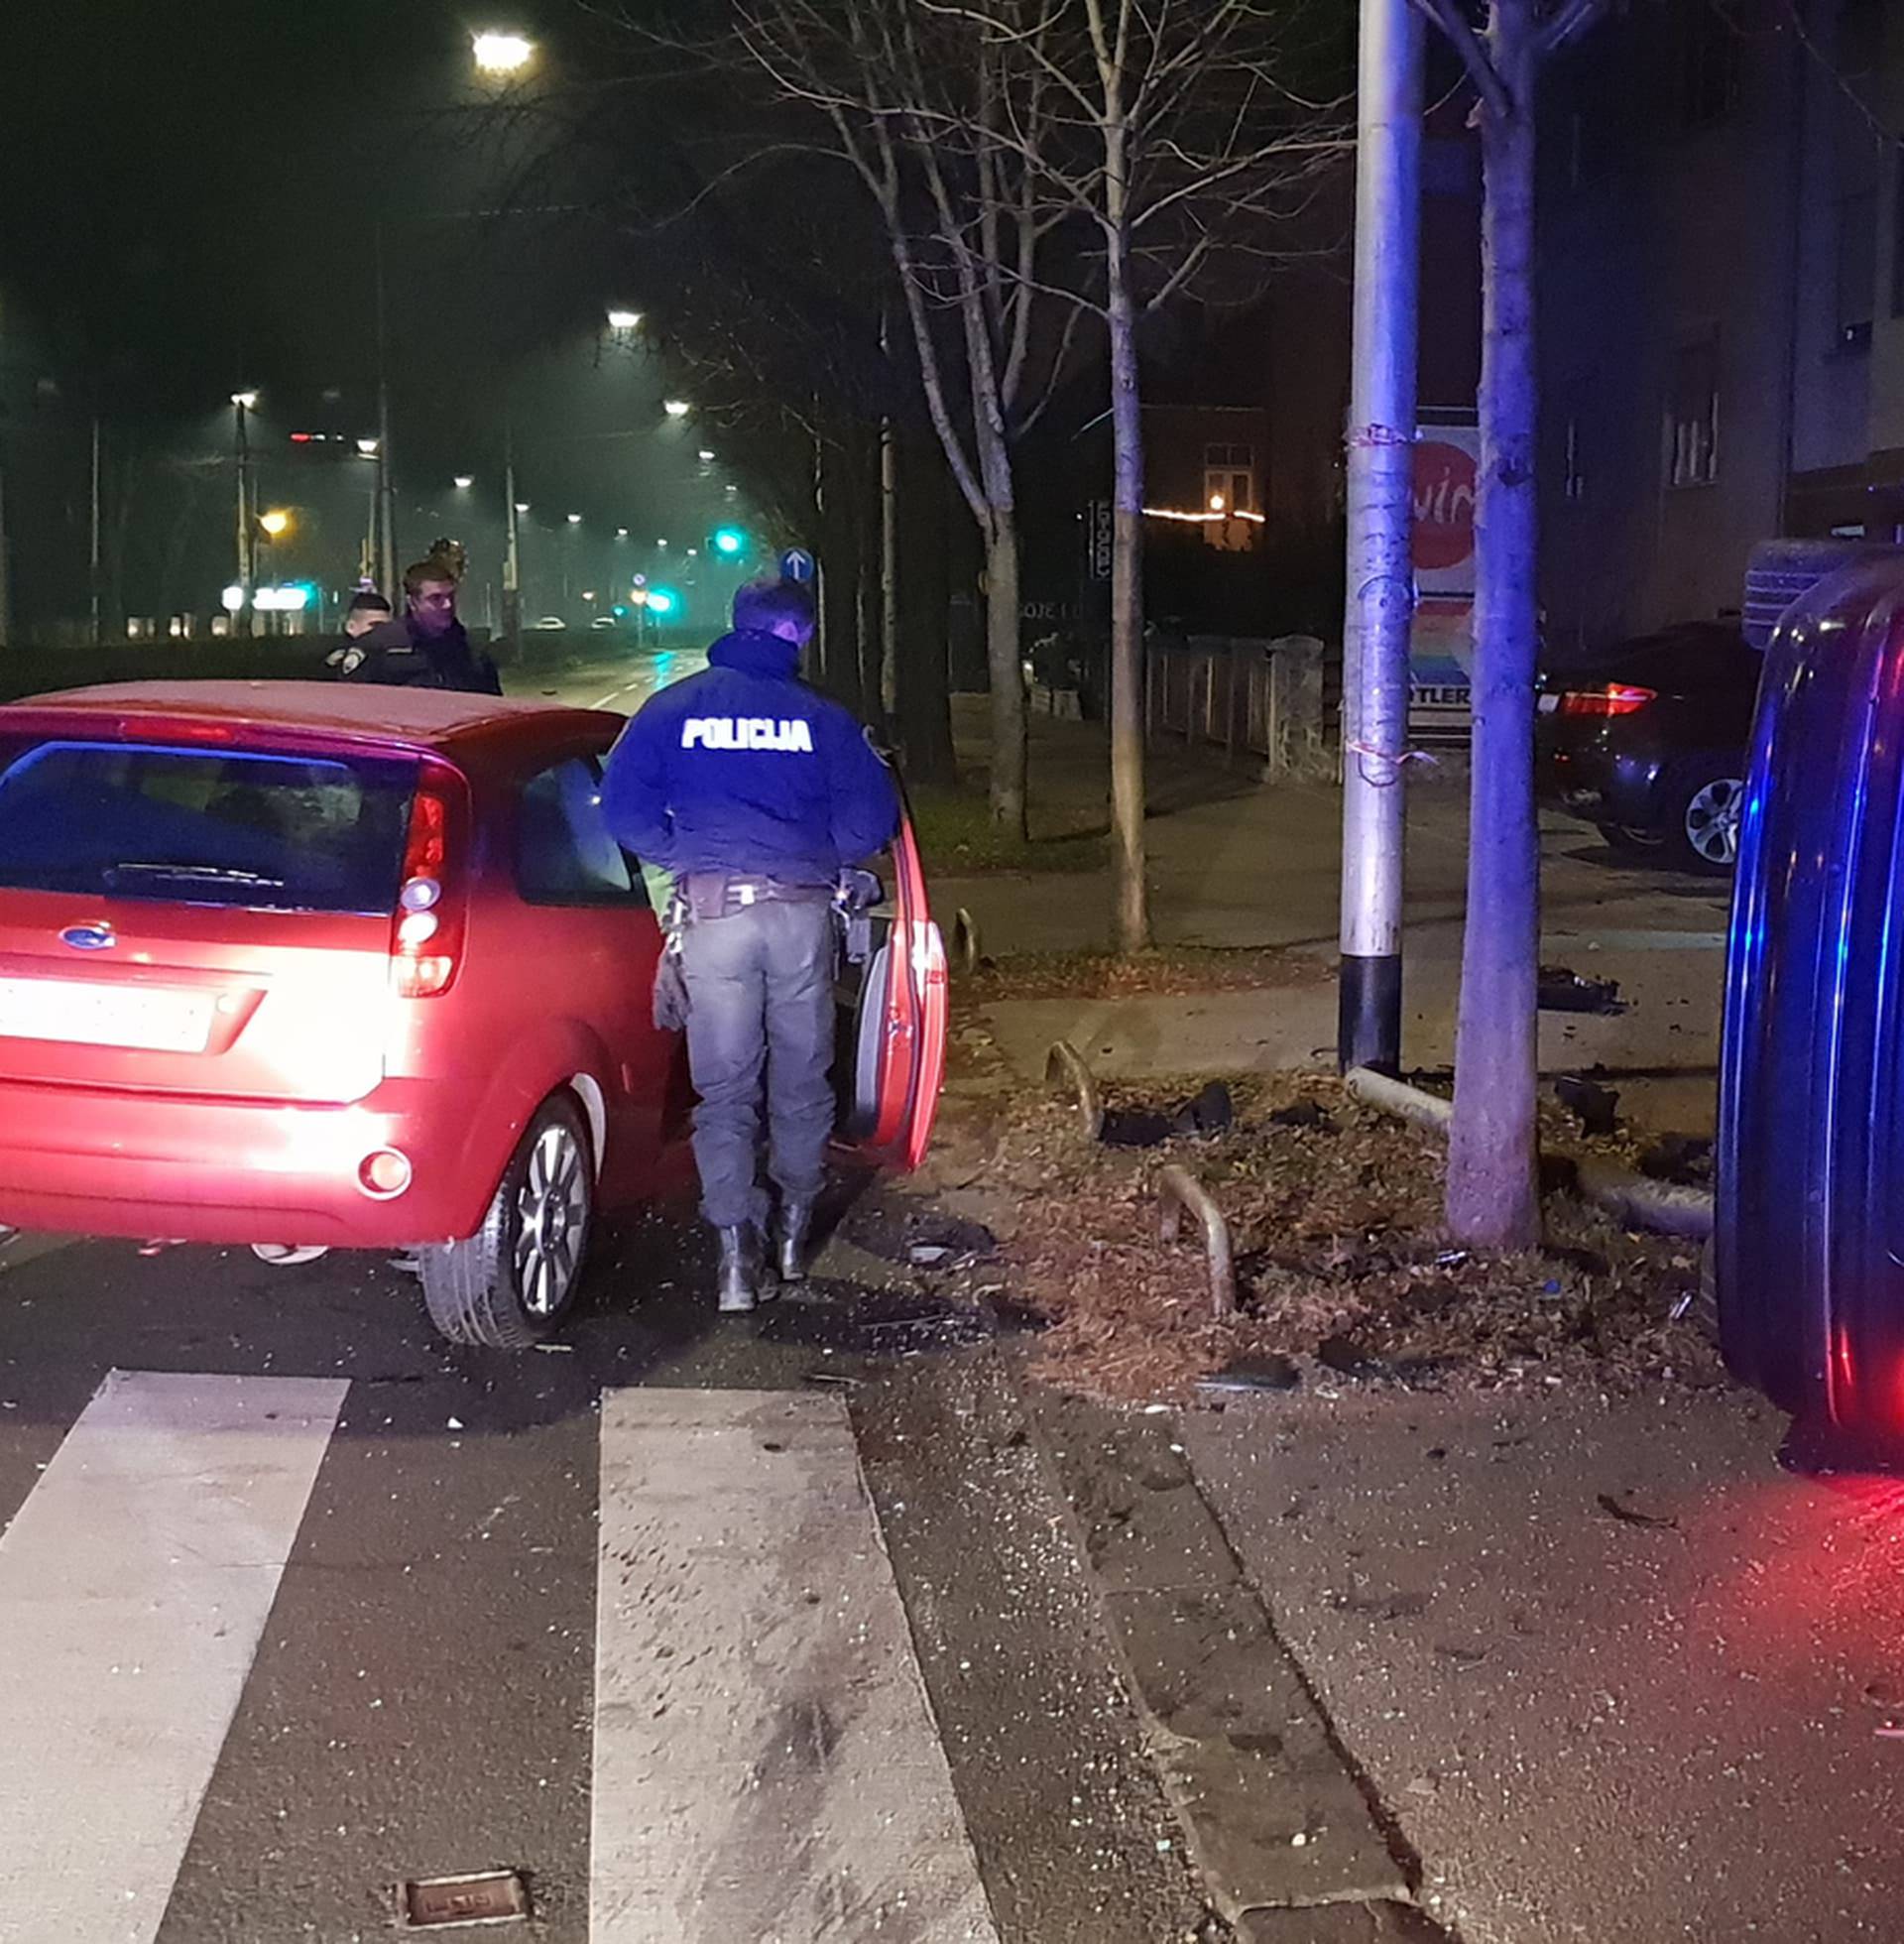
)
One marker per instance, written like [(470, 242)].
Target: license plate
[(156, 1018)]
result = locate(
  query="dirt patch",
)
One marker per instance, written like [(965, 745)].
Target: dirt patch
[(1168, 969), (1343, 1266)]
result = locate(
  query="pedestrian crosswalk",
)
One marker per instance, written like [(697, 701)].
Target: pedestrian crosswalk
[(765, 1764)]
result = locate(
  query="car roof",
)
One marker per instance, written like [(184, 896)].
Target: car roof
[(425, 718)]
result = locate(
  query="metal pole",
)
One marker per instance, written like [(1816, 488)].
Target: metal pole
[(386, 568), (97, 635), (1381, 477), (247, 558), (513, 552)]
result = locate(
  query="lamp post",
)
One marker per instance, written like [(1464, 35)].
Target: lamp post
[(242, 403)]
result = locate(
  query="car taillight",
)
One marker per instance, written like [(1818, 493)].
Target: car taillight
[(1617, 699), (427, 934)]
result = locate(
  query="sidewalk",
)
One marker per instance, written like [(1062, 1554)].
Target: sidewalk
[(1261, 866)]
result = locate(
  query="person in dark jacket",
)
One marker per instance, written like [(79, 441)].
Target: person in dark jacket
[(428, 647), (368, 609), (754, 794)]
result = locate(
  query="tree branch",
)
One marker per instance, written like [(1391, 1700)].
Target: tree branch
[(1447, 15)]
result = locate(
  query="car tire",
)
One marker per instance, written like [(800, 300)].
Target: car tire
[(1702, 800), (509, 1286), (1631, 839)]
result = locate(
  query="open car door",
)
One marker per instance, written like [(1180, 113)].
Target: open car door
[(892, 1024)]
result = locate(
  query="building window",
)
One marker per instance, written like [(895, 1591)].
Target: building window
[(1230, 479), (1708, 65), (1231, 512), (1855, 271), (1692, 414)]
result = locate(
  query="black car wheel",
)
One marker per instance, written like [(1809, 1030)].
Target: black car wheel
[(509, 1286), (1702, 799)]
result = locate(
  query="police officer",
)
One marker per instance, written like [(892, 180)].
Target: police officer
[(428, 647), (755, 794)]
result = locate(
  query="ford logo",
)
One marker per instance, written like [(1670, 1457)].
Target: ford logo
[(89, 937)]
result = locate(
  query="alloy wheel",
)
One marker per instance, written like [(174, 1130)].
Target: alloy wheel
[(552, 1220)]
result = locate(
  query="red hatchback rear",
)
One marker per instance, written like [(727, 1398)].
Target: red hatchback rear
[(354, 967)]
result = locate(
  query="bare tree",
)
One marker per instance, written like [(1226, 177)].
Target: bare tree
[(913, 97), (1177, 141), (1492, 1190)]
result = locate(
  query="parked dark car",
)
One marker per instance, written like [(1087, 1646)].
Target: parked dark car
[(1648, 744)]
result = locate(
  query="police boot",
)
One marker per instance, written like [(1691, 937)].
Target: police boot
[(790, 1239), (741, 1271)]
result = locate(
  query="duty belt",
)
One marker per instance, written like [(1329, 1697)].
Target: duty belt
[(717, 895)]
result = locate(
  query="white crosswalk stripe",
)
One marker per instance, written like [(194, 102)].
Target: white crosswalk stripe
[(765, 1766), (134, 1585)]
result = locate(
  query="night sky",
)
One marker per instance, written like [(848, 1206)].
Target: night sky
[(189, 197)]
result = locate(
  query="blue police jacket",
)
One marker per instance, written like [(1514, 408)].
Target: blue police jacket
[(746, 770)]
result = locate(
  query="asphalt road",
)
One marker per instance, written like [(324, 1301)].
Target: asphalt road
[(731, 1629), (620, 677)]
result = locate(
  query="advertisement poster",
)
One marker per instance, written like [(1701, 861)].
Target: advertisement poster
[(1440, 648)]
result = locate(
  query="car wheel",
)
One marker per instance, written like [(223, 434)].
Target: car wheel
[(1702, 806), (1631, 839), (509, 1286)]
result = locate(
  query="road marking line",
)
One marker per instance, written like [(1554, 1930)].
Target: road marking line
[(135, 1583), (766, 1765)]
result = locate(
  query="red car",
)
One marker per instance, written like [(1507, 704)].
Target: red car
[(312, 964)]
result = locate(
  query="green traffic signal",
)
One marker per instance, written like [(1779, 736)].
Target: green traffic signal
[(729, 541)]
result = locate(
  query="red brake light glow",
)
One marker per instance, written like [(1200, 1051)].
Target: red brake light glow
[(426, 932), (1617, 699)]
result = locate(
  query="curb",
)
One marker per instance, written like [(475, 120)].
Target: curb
[(1286, 1836), (1636, 1199)]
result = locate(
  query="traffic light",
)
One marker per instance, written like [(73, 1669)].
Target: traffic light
[(727, 541)]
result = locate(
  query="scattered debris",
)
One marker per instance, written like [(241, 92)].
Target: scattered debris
[(1597, 1108), (1339, 1238), (1685, 1159), (1629, 1516), (1563, 990)]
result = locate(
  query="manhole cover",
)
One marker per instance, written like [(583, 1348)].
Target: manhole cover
[(490, 1896)]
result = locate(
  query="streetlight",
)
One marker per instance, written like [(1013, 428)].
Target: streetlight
[(521, 506), (463, 482), (241, 403), (574, 518), (366, 448), (503, 54), (676, 408), (619, 320), (706, 457), (277, 523), (621, 532)]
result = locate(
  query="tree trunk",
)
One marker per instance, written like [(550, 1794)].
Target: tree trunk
[(889, 570), (1492, 1197), (1130, 914), (1004, 668)]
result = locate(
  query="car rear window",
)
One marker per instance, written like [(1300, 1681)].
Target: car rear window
[(196, 827)]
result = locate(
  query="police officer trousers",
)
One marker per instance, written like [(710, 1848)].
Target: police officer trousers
[(760, 990)]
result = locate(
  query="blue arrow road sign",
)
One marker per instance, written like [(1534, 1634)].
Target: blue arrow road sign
[(796, 563)]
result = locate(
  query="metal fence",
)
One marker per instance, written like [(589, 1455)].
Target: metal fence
[(1254, 699)]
